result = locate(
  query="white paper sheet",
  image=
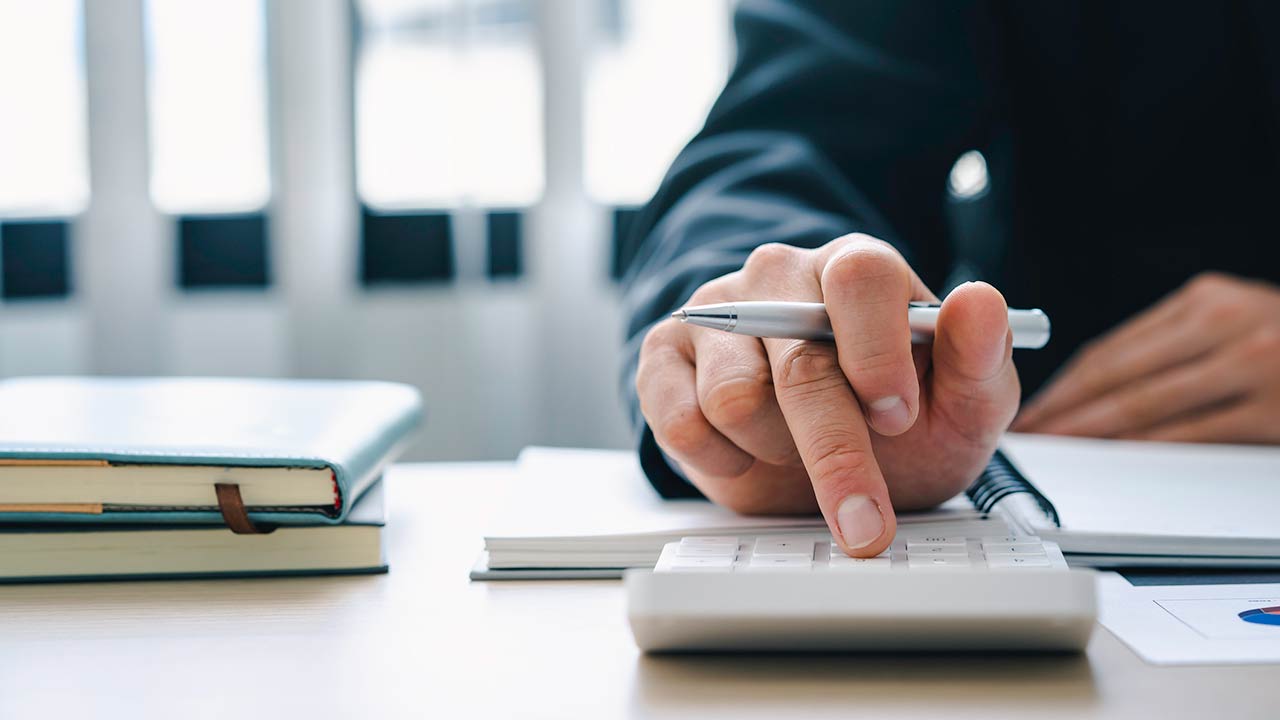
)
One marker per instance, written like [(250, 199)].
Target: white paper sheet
[(566, 492), (1191, 624), (1118, 489)]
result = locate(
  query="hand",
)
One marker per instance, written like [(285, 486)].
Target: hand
[(855, 428), (1202, 365)]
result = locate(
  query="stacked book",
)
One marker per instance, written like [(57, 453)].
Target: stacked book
[(132, 478)]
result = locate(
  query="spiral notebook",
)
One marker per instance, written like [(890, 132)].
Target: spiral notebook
[(590, 513), (1110, 503), (578, 513)]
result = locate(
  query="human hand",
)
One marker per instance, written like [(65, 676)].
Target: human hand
[(853, 428), (1202, 365)]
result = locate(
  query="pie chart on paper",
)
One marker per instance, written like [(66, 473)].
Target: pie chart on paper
[(1262, 616)]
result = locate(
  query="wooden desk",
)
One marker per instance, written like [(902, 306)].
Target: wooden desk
[(424, 642)]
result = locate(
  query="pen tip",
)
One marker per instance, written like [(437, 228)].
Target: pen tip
[(680, 315)]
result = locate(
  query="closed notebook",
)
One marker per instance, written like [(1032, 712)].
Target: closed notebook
[(44, 553), (1113, 502), (152, 450)]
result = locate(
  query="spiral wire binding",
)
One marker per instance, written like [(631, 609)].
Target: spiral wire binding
[(1001, 479)]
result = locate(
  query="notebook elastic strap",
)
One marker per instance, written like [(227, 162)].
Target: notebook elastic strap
[(231, 505)]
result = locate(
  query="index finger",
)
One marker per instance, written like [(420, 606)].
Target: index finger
[(826, 423)]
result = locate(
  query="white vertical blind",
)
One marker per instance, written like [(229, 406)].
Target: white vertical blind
[(206, 77)]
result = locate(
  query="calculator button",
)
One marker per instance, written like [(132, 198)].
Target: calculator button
[(948, 561), (707, 550), (935, 541), (698, 540), (1017, 561), (782, 563), (786, 545), (1023, 549), (836, 551), (711, 564), (845, 562), (1010, 540), (919, 550)]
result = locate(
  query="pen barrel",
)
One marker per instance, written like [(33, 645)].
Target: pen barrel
[(809, 321), (792, 320), (1030, 328)]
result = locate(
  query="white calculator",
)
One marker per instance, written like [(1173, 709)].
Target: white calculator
[(802, 593)]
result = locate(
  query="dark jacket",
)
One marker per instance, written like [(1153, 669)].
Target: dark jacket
[(1130, 145)]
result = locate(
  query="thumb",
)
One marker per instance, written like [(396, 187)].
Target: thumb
[(974, 385)]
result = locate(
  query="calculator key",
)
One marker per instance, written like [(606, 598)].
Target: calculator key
[(1010, 540), (845, 562), (711, 564), (698, 540), (707, 549), (1023, 549), (787, 545), (728, 551), (837, 551), (936, 550), (782, 563), (1017, 561), (935, 541), (948, 561)]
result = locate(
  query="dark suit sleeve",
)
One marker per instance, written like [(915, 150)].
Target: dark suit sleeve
[(838, 117)]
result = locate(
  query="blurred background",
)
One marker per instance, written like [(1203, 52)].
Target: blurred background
[(428, 191)]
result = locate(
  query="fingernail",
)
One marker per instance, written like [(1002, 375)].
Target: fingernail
[(889, 415), (860, 521)]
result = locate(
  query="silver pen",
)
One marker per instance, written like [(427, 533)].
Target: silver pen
[(809, 321)]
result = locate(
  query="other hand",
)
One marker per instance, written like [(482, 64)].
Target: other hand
[(854, 428), (1202, 365)]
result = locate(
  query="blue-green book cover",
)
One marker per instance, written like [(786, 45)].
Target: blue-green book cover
[(151, 450)]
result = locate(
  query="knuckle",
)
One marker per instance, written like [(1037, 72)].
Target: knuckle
[(659, 337), (736, 401), (713, 291), (805, 366), (771, 256), (1209, 286), (878, 271), (1217, 312), (857, 238), (1264, 344), (641, 381), (682, 430)]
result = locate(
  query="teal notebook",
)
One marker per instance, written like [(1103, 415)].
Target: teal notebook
[(63, 553), (151, 450)]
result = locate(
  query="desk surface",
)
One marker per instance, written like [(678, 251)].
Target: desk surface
[(424, 642)]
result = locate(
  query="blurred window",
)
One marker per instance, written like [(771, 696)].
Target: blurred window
[(448, 104), (208, 105), (43, 144), (657, 69)]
